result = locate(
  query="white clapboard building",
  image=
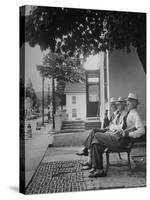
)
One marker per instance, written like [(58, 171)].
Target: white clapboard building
[(75, 100)]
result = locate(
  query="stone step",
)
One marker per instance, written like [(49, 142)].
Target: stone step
[(73, 127), (92, 119), (69, 139), (73, 124), (74, 121), (72, 130)]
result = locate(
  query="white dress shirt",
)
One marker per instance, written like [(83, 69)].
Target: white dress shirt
[(134, 121)]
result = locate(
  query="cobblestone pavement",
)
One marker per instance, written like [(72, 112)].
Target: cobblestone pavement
[(68, 176), (140, 166)]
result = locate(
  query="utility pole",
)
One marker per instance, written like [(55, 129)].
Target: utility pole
[(48, 100), (42, 100), (53, 101)]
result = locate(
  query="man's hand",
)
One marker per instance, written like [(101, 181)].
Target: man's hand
[(125, 133)]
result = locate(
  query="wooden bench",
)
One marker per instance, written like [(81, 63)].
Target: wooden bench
[(119, 150), (127, 149)]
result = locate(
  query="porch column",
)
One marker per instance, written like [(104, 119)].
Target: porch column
[(102, 88), (108, 90)]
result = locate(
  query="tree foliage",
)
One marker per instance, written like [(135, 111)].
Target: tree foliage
[(60, 92), (85, 31), (62, 68), (30, 92)]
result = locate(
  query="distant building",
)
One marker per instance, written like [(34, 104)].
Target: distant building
[(75, 101)]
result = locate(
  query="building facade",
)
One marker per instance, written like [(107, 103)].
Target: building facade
[(75, 101)]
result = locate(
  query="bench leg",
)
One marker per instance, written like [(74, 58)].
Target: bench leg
[(107, 162), (129, 162), (119, 155)]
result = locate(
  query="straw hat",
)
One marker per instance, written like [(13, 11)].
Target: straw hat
[(113, 100), (121, 100), (132, 97)]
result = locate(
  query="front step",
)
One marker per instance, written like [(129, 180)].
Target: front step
[(73, 123), (70, 139), (73, 126), (92, 119), (72, 130)]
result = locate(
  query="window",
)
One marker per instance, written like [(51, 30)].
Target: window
[(93, 93), (93, 80), (73, 99), (74, 112)]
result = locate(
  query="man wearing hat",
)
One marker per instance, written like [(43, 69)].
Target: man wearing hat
[(87, 142), (130, 125), (113, 123), (135, 127), (121, 113)]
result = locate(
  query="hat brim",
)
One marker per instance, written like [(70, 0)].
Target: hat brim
[(132, 99), (121, 102), (112, 102)]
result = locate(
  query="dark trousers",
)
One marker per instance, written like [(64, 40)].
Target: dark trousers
[(101, 141), (88, 142), (97, 156)]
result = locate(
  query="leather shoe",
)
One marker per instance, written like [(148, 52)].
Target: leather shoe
[(97, 174), (92, 171), (86, 163), (87, 167), (82, 153)]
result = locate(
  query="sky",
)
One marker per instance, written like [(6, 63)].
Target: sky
[(33, 57)]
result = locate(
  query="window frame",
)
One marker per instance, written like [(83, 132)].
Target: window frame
[(74, 99), (74, 112)]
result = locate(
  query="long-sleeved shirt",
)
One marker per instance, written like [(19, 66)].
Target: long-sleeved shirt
[(134, 121)]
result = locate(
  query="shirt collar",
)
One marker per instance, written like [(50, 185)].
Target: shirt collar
[(115, 112), (132, 110)]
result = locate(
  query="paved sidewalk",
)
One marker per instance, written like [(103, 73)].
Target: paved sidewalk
[(35, 149), (61, 171)]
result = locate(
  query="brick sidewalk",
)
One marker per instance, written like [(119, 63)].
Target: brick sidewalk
[(61, 171)]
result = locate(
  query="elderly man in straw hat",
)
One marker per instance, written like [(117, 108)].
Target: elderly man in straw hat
[(130, 125), (114, 120), (134, 124)]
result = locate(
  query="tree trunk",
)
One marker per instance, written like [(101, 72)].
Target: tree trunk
[(43, 101), (61, 106)]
